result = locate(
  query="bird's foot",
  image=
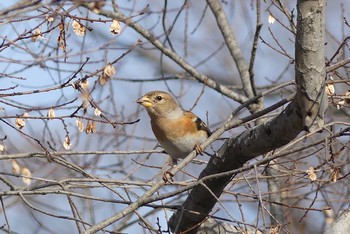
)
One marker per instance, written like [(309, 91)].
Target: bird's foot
[(168, 176), (198, 149)]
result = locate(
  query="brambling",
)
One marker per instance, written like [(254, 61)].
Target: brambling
[(177, 131)]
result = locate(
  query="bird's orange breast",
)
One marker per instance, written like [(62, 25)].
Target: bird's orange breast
[(165, 129)]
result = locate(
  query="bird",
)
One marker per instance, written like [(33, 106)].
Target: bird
[(178, 131)]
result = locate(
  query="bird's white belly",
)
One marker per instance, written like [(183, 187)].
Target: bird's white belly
[(181, 147)]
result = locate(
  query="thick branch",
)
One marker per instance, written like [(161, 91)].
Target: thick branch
[(274, 186), (310, 63), (341, 224)]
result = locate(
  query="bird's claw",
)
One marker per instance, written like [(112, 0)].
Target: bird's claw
[(198, 149), (168, 176)]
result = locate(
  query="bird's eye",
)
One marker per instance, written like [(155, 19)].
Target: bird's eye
[(159, 98)]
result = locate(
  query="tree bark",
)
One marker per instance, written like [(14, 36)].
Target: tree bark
[(310, 70), (341, 224)]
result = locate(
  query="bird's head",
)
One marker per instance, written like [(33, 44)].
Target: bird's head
[(160, 104)]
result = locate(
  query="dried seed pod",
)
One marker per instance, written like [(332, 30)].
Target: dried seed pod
[(115, 27), (311, 173), (97, 112), (78, 28), (67, 143), (51, 113), (80, 125), (109, 70), (26, 174)]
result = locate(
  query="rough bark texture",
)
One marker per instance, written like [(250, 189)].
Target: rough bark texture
[(218, 227), (305, 112), (310, 68), (341, 224), (274, 186)]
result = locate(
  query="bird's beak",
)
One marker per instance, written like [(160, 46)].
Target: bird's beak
[(146, 102)]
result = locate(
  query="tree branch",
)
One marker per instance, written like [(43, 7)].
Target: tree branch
[(173, 55), (232, 45)]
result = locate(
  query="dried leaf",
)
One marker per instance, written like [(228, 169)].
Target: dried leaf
[(311, 173), (97, 5), (16, 169), (330, 90), (271, 19), (103, 79), (90, 127), (312, 177), (274, 229), (78, 28), (20, 123), (49, 18), (62, 37), (84, 84), (26, 173), (334, 175), (85, 101), (37, 35), (67, 144), (80, 125), (61, 42), (93, 127), (51, 113), (109, 70), (115, 27), (61, 26), (97, 112)]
